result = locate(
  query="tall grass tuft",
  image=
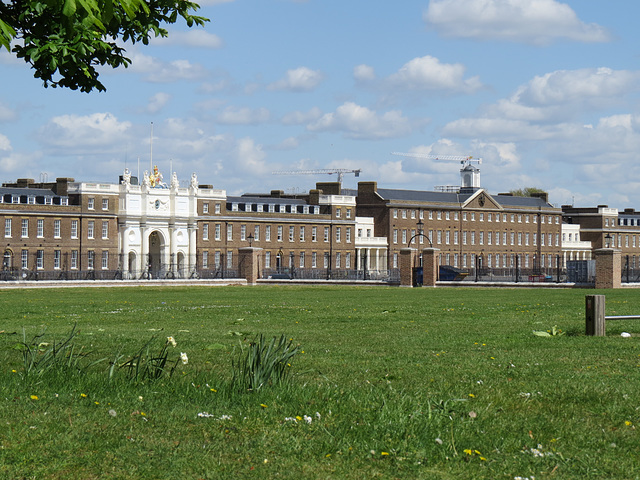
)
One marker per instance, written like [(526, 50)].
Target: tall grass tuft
[(263, 363), (145, 365), (41, 358)]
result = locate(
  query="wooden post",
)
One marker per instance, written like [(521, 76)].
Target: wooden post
[(595, 321)]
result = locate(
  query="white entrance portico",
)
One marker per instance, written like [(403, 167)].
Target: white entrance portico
[(157, 227)]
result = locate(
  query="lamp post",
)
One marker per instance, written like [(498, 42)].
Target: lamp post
[(607, 240), (250, 238)]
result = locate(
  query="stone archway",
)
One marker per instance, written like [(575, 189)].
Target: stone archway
[(132, 264), (156, 262)]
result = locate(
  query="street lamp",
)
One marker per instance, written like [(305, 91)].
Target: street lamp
[(607, 240), (250, 238)]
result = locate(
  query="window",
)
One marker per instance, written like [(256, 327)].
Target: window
[(90, 259), (347, 260), (473, 238), (302, 233), (279, 238), (105, 259), (31, 200), (56, 228), (413, 214), (395, 260), (348, 213), (205, 259), (395, 213), (326, 234), (56, 259), (314, 234), (25, 228), (205, 207), (338, 259), (338, 234), (314, 259), (229, 260), (326, 260), (217, 208), (438, 236), (105, 204), (526, 238), (481, 238), (348, 234), (90, 229), (216, 260), (229, 232), (91, 203), (105, 229), (74, 259), (267, 233), (205, 231), (24, 257), (404, 236), (489, 238), (217, 232), (48, 200), (395, 235), (40, 228), (74, 228), (256, 233), (292, 233), (64, 200), (447, 237), (7, 228), (243, 232), (404, 213), (519, 238), (338, 212), (301, 264)]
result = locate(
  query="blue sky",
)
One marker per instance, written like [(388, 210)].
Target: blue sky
[(546, 92)]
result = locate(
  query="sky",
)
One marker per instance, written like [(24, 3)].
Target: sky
[(545, 92)]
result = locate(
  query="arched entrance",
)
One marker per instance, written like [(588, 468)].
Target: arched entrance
[(156, 254), (132, 264), (181, 273), (7, 259)]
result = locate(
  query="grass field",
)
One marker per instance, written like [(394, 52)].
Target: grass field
[(388, 383)]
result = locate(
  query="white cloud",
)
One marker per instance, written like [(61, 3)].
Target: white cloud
[(428, 73), (243, 116), (301, 118), (7, 114), (578, 86), (301, 79), (250, 157), (5, 144), (538, 22), (157, 102), (364, 73), (158, 71), (197, 38), (359, 122), (74, 133)]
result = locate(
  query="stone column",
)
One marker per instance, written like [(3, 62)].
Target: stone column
[(192, 230), (124, 249), (429, 267), (143, 262), (248, 264), (608, 268), (407, 256)]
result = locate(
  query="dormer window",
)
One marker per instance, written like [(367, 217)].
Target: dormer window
[(31, 200), (48, 200)]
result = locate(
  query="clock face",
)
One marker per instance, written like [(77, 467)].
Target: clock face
[(157, 204)]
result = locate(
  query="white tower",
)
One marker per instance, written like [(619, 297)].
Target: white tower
[(470, 177)]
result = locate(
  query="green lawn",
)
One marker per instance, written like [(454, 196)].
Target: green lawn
[(395, 383)]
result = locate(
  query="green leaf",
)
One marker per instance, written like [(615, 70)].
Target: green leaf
[(69, 8)]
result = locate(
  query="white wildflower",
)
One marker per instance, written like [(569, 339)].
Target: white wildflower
[(205, 415), (291, 419), (172, 341), (307, 419), (625, 334), (184, 358), (225, 417), (318, 415)]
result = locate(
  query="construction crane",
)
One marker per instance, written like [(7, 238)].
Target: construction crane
[(463, 159), (329, 171)]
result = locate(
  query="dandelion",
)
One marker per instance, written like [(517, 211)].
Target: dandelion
[(34, 397), (628, 423), (472, 395), (468, 451), (263, 405), (184, 358), (83, 395), (171, 341), (384, 453)]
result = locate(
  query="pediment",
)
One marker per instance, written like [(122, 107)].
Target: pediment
[(481, 200)]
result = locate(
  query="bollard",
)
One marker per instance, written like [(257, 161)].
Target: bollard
[(595, 318)]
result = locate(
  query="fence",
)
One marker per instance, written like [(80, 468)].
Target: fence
[(595, 318)]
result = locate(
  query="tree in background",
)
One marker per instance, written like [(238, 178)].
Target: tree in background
[(526, 192), (65, 40)]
